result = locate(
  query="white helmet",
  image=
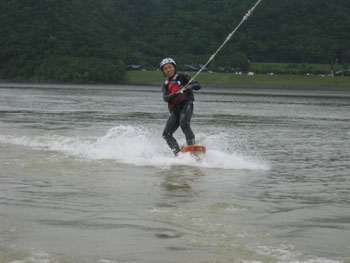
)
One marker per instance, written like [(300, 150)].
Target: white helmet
[(166, 61)]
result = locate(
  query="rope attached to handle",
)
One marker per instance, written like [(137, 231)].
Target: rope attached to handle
[(223, 44)]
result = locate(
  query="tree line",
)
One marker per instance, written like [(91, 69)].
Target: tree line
[(88, 40)]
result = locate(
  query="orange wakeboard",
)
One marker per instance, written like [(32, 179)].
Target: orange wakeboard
[(195, 150)]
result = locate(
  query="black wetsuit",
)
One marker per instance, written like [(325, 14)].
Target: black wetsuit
[(181, 112)]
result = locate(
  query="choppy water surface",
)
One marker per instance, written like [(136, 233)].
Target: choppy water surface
[(86, 176)]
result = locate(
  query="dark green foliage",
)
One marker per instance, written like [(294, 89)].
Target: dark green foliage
[(67, 68), (59, 40), (88, 40)]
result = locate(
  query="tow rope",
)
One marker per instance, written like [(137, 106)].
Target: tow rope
[(222, 45)]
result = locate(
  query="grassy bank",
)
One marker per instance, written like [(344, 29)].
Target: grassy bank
[(156, 77), (294, 68)]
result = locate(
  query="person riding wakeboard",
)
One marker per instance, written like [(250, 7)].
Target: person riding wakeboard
[(180, 103)]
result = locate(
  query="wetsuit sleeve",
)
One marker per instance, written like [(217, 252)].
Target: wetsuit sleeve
[(194, 84)]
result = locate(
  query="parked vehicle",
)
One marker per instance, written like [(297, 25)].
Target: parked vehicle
[(342, 72), (205, 69), (188, 67), (134, 67)]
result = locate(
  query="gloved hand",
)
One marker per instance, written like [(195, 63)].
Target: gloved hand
[(174, 95), (189, 86)]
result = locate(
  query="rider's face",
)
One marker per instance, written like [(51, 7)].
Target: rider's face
[(169, 70)]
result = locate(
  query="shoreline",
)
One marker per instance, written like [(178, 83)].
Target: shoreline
[(291, 88), (204, 85)]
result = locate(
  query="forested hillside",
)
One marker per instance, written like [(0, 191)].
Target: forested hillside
[(88, 40)]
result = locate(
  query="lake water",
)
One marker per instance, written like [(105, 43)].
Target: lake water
[(85, 176)]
